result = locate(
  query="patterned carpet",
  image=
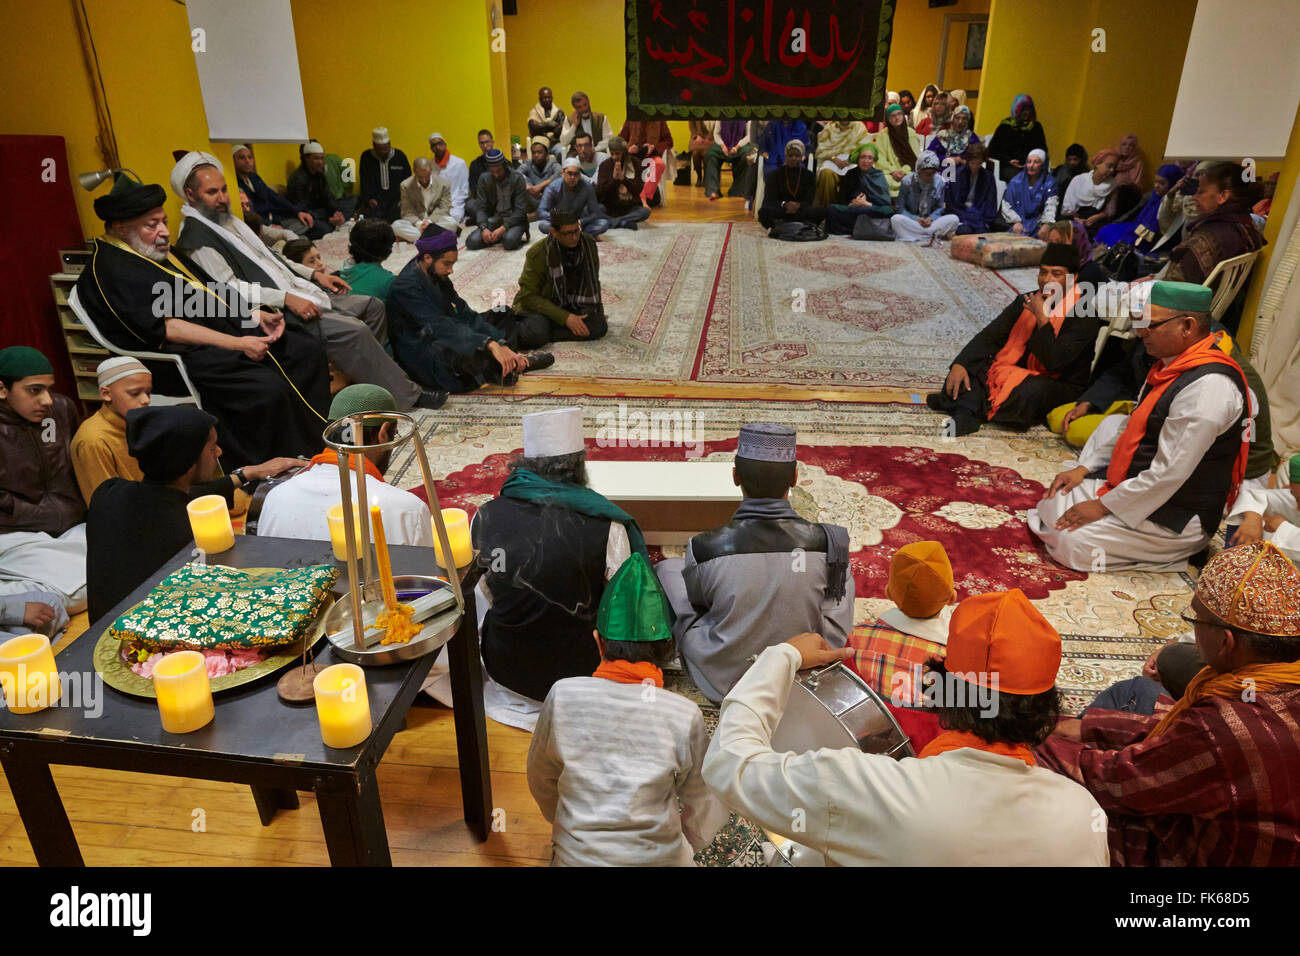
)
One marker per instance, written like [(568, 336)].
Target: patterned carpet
[(715, 302)]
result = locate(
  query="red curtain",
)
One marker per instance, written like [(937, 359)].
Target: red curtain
[(37, 218)]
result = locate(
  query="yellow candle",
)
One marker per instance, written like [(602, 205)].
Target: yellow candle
[(184, 695), (457, 522), (27, 671), (381, 555), (210, 522), (338, 532), (342, 705)]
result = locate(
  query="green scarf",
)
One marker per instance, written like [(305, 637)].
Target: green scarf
[(525, 485)]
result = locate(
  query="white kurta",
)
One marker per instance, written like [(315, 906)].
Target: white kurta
[(456, 172), (608, 765), (296, 509), (965, 807), (1082, 192), (1272, 501), (1125, 539)]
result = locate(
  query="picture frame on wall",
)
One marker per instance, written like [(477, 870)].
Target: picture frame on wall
[(976, 34)]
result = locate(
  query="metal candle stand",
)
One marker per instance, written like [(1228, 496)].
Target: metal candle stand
[(436, 631)]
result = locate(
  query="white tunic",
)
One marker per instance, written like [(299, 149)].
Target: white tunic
[(456, 172), (1272, 501), (965, 807), (1082, 192), (608, 765), (1126, 538), (296, 509)]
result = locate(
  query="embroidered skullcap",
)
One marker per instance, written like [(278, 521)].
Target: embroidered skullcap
[(379, 135), (117, 368), (765, 441), (361, 398), (540, 141), (1254, 587)]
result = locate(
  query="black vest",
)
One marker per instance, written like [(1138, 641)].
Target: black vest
[(546, 582), (759, 536), (195, 235), (1205, 492)]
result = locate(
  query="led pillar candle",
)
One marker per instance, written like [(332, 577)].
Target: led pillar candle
[(210, 522), (457, 522), (338, 532), (31, 682), (342, 705), (184, 695)]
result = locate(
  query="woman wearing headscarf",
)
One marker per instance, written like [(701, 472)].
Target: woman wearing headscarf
[(920, 215), (836, 142), (891, 99), (1141, 230), (1087, 196), (1016, 136), (908, 102), (939, 116), (864, 191), (774, 139), (1030, 197), (922, 108), (1128, 169), (954, 140), (972, 196), (897, 147)]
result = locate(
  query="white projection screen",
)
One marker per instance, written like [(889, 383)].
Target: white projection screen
[(248, 70), (1241, 81)]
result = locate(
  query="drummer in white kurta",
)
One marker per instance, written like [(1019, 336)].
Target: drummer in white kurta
[(963, 802), (1149, 489), (1270, 514)]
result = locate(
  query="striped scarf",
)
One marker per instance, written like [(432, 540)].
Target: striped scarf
[(576, 289)]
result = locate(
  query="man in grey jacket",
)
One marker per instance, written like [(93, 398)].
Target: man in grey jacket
[(502, 206)]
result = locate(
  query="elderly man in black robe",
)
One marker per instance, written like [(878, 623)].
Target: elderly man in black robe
[(264, 376)]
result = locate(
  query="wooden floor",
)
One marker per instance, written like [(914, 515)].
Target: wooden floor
[(126, 819)]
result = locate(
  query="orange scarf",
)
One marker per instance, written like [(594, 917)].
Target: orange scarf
[(330, 457), (625, 672), (1006, 373), (956, 739), (1211, 683), (1212, 348)]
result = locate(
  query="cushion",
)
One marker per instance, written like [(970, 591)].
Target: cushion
[(998, 250)]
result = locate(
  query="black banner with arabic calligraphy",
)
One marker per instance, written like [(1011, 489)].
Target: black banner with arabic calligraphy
[(757, 59)]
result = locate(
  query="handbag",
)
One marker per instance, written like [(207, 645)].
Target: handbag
[(873, 229), (796, 230), (1120, 263)]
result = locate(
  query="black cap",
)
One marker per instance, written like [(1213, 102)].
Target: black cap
[(166, 440)]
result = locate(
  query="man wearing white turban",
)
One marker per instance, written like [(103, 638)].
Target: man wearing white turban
[(354, 326)]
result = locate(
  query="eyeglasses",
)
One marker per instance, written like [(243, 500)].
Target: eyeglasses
[(1152, 325), (1192, 620)]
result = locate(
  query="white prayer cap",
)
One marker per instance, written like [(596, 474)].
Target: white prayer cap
[(234, 150), (181, 171), (119, 367), (312, 147), (379, 135), (572, 161), (555, 432), (433, 136)]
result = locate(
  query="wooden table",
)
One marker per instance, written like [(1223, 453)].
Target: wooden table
[(255, 738), (670, 500)]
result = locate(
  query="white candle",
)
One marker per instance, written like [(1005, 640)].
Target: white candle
[(210, 522), (184, 694), (462, 549), (27, 671), (342, 705)]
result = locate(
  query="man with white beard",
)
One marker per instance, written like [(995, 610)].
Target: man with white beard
[(354, 326), (264, 378)]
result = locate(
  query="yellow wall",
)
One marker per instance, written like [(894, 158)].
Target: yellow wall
[(914, 49)]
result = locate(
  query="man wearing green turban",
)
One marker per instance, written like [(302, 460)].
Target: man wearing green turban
[(615, 759)]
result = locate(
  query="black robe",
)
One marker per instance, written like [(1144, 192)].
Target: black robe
[(264, 409), (789, 185), (132, 529)]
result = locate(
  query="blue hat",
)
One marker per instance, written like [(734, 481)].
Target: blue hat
[(494, 157), (764, 441)]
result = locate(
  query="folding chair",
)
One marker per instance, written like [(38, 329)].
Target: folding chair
[(74, 303)]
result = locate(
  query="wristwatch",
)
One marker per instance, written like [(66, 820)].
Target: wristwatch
[(239, 473)]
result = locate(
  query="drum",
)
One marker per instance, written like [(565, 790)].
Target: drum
[(834, 707)]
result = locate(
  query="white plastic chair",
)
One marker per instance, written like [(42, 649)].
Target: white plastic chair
[(74, 303), (1230, 275), (670, 173)]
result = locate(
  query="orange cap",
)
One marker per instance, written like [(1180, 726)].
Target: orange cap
[(920, 578), (1002, 634)]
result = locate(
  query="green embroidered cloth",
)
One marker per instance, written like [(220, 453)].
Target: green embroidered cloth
[(209, 607)]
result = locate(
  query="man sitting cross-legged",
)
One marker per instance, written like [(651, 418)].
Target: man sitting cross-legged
[(261, 372), (559, 289), (502, 208), (975, 796), (573, 194), (425, 200), (767, 572), (1212, 780), (441, 340), (1031, 358), (619, 187), (1150, 488), (354, 326)]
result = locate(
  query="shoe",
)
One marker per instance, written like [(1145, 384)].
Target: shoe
[(966, 424), (431, 398), (631, 225), (1199, 559), (712, 197), (539, 360), (938, 401)]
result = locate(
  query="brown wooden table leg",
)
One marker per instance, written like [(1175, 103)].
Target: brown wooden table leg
[(353, 819), (42, 812), (271, 799), (471, 724)]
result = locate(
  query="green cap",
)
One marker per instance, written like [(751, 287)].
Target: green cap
[(1185, 296), (1295, 469), (633, 607), (20, 361), (892, 107), (361, 398)]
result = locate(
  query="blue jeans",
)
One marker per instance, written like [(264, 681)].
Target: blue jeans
[(1137, 695)]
